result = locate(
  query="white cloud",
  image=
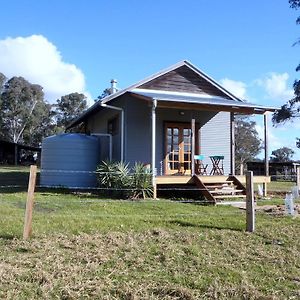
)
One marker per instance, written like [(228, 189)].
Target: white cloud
[(276, 86), (39, 61), (274, 141), (279, 138), (237, 88)]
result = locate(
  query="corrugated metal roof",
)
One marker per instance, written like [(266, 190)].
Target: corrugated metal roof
[(204, 99), (186, 63), (94, 107)]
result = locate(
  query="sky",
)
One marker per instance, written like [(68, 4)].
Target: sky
[(80, 45)]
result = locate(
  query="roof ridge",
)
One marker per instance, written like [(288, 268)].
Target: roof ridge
[(152, 77)]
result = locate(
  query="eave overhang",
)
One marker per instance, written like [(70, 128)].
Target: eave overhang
[(167, 99)]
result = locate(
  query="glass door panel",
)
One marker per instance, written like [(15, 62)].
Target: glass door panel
[(178, 148)]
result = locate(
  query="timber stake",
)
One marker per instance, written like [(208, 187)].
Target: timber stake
[(250, 209), (29, 203)]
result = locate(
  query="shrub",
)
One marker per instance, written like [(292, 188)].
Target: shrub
[(123, 182), (141, 182), (114, 176)]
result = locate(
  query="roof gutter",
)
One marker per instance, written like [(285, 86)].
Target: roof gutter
[(122, 126)]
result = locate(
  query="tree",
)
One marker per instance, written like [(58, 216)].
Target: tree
[(291, 109), (69, 107), (283, 154), (247, 142), (26, 118), (19, 100), (41, 125), (108, 91), (2, 81), (104, 94)]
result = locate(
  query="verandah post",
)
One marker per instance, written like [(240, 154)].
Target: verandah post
[(232, 148), (153, 167), (266, 141), (193, 147), (29, 203)]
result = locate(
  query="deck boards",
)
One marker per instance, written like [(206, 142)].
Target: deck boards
[(185, 179), (213, 188)]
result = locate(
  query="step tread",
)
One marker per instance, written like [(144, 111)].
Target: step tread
[(229, 196), (219, 182), (219, 186), (225, 191)]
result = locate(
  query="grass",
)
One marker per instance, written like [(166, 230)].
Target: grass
[(18, 175), (284, 186), (85, 247), (278, 186), (10, 168)]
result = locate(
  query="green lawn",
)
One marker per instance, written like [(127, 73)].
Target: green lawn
[(279, 186), (84, 247), (284, 186), (10, 168)]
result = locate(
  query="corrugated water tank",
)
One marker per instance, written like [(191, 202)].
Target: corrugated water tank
[(67, 160)]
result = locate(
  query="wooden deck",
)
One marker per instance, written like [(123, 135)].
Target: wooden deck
[(186, 179), (212, 188)]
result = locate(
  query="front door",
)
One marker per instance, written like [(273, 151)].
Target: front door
[(178, 148)]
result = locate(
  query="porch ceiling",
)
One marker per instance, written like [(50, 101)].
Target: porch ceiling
[(167, 99)]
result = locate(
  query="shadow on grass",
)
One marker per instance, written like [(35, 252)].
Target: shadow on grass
[(79, 193), (14, 182), (8, 237), (12, 189), (206, 226), (19, 187)]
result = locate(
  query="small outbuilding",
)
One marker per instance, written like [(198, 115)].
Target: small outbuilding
[(179, 120), (15, 153), (277, 170)]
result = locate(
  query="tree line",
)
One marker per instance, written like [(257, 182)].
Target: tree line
[(26, 117), (248, 145)]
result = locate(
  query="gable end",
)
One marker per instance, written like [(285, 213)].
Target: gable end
[(183, 79)]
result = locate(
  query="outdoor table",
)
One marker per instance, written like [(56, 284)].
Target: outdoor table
[(217, 165)]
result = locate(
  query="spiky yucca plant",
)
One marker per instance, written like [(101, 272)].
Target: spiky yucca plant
[(106, 174), (122, 175), (116, 177), (141, 182)]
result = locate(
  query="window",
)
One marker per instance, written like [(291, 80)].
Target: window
[(113, 126)]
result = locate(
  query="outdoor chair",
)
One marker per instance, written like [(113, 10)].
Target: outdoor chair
[(200, 168)]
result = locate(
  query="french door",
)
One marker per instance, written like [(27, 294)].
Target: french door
[(178, 148)]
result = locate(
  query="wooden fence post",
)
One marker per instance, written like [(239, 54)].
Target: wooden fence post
[(29, 203), (265, 189), (250, 209)]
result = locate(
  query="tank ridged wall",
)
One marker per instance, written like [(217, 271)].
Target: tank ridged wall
[(64, 155)]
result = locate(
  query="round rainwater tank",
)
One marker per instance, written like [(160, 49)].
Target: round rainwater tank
[(68, 160)]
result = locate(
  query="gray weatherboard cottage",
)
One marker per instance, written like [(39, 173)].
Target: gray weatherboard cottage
[(166, 119)]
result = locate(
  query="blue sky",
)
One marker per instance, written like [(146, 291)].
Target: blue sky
[(69, 45)]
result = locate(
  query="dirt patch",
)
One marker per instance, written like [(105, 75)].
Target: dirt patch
[(277, 209), (272, 209)]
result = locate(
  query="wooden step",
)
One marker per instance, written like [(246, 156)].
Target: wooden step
[(229, 196), (219, 186), (220, 182), (225, 191)]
